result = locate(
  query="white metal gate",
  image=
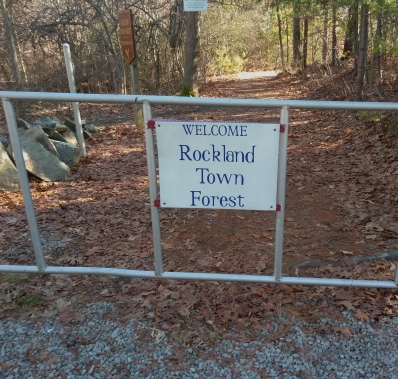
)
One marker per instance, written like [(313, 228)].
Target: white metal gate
[(158, 272)]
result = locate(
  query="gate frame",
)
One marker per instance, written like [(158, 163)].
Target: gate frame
[(158, 273)]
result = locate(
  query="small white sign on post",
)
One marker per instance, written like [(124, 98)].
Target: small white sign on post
[(220, 165), (195, 5)]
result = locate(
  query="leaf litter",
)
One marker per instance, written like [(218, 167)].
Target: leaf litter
[(341, 204)]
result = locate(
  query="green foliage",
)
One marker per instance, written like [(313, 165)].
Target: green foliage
[(387, 122), (30, 300), (372, 116), (189, 92), (15, 278), (392, 123), (234, 39), (224, 63), (235, 35)]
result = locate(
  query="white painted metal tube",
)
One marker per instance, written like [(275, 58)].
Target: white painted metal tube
[(75, 105), (396, 273), (24, 182), (281, 193), (153, 189), (170, 275), (201, 101)]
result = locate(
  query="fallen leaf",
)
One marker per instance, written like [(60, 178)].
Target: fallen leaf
[(347, 304), (373, 225), (362, 315), (62, 303), (344, 331)]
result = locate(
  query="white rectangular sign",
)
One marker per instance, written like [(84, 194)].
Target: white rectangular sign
[(195, 5), (221, 165)]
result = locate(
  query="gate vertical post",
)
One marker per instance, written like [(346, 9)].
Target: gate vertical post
[(75, 105), (281, 193), (24, 181), (153, 189), (396, 274)]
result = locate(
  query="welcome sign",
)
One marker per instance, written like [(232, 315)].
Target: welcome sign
[(220, 165), (195, 5)]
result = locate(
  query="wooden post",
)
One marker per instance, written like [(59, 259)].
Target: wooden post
[(127, 41), (136, 90)]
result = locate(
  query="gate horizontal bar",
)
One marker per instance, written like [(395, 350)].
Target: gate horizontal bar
[(170, 275), (198, 101)]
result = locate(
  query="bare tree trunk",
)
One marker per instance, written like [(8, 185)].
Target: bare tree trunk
[(376, 58), (11, 45), (107, 36), (325, 33), (334, 36), (296, 37), (363, 48), (190, 80), (305, 43), (287, 33), (280, 34), (351, 35)]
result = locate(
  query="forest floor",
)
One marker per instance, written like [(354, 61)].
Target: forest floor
[(341, 204)]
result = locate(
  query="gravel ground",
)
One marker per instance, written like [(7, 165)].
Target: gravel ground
[(100, 348)]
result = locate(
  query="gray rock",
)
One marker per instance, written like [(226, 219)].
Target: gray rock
[(69, 136), (9, 180), (54, 135), (91, 128), (60, 128), (4, 140), (52, 126), (68, 153), (37, 133), (70, 124), (23, 124), (49, 121), (39, 161)]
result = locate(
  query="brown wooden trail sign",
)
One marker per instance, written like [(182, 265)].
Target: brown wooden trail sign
[(126, 32)]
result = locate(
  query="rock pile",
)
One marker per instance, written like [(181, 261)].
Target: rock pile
[(50, 149)]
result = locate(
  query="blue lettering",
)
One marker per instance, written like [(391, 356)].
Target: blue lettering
[(215, 130), (199, 130), (184, 152), (228, 179), (214, 201), (188, 129), (195, 197), (197, 156), (222, 132), (233, 131), (223, 201), (216, 154), (207, 177)]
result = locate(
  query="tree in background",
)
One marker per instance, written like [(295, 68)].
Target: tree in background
[(297, 54), (363, 50), (234, 36), (11, 43), (191, 59)]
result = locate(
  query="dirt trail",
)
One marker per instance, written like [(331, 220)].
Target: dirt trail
[(100, 216)]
